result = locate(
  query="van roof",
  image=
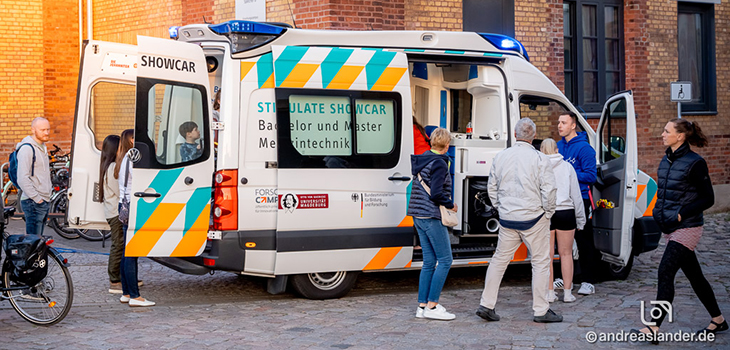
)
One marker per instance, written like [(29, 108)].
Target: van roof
[(253, 38)]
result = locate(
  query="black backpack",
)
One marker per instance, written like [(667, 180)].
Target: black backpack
[(26, 258)]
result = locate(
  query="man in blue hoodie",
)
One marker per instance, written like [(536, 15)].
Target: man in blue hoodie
[(577, 151)]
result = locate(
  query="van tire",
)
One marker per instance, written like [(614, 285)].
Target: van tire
[(324, 285), (615, 272)]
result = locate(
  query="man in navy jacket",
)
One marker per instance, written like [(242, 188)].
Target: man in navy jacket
[(577, 151)]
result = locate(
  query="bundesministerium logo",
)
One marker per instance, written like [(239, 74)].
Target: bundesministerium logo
[(661, 306)]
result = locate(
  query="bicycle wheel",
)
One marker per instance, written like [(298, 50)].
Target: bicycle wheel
[(94, 234), (49, 301), (59, 224)]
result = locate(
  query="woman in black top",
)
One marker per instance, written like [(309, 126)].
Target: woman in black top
[(684, 192)]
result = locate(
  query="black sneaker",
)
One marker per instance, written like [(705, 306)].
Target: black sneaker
[(549, 317), (487, 313)]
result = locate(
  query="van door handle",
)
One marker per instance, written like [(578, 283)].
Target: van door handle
[(145, 194), (399, 178)]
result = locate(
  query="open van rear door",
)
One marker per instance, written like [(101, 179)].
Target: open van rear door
[(173, 155), (617, 158), (344, 144), (104, 106)]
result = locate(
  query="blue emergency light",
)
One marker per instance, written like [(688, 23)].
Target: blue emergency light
[(245, 27), (504, 42), (173, 31)]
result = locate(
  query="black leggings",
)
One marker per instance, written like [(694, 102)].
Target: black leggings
[(676, 257), (588, 256)]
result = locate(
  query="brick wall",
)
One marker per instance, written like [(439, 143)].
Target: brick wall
[(539, 27), (21, 70), (225, 10), (60, 67), (433, 15), (197, 11), (348, 15), (122, 21)]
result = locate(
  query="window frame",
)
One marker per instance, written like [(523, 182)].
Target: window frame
[(593, 109), (290, 158), (709, 71), (142, 141)]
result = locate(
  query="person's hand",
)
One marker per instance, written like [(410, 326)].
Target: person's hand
[(455, 208), (679, 218), (40, 202), (198, 146)]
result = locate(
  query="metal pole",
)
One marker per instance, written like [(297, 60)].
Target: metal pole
[(679, 110)]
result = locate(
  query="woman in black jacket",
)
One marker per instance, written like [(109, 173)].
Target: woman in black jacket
[(684, 192)]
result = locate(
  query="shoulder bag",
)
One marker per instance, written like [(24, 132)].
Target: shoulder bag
[(449, 218), (124, 210)]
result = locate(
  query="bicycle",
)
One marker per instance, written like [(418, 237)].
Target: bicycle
[(44, 303)]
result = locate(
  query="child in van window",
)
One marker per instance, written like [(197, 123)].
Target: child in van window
[(190, 149)]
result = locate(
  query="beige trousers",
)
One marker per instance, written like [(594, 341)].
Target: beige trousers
[(537, 240)]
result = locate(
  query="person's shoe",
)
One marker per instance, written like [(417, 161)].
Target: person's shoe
[(140, 283), (487, 313), (568, 297), (719, 327), (552, 296), (549, 317), (558, 283), (649, 336), (419, 312), (141, 303), (123, 299), (586, 289), (438, 313), (115, 287)]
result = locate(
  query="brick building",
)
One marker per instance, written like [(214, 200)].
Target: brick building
[(588, 48)]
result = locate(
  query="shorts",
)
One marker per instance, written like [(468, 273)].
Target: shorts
[(563, 220)]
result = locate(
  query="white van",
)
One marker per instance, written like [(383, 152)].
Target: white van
[(310, 176)]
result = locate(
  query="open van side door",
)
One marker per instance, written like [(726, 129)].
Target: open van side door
[(344, 144), (105, 103), (173, 155), (617, 159)]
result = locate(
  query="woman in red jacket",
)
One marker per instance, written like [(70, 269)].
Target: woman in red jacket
[(421, 142)]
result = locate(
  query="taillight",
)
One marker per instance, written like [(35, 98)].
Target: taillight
[(225, 201), (208, 262)]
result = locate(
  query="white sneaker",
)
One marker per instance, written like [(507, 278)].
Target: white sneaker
[(558, 284), (552, 296), (438, 313), (123, 299), (419, 312), (568, 297), (586, 289), (145, 302)]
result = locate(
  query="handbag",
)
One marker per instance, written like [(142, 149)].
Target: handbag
[(124, 210), (449, 218)]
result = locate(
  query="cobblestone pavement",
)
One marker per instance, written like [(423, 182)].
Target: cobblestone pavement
[(227, 311)]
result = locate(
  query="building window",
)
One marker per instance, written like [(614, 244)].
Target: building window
[(594, 64), (696, 46)]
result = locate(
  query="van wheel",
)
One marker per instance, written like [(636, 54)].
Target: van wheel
[(324, 285), (618, 272)]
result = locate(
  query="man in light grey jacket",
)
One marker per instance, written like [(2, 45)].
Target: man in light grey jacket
[(34, 179), (522, 188)]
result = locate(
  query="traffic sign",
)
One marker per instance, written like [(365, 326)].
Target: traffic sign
[(681, 91)]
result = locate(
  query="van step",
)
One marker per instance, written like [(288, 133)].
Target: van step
[(181, 265), (462, 251)]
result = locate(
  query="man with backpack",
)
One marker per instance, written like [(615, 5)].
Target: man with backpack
[(34, 175)]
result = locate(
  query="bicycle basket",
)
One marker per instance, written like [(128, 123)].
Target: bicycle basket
[(27, 258)]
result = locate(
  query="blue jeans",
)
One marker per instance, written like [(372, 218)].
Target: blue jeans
[(128, 271), (436, 248), (35, 216)]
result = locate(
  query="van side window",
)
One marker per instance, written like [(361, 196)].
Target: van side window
[(545, 113), (172, 124), (321, 129), (613, 135), (111, 110)]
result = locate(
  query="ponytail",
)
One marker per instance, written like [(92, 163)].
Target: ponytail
[(691, 130)]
